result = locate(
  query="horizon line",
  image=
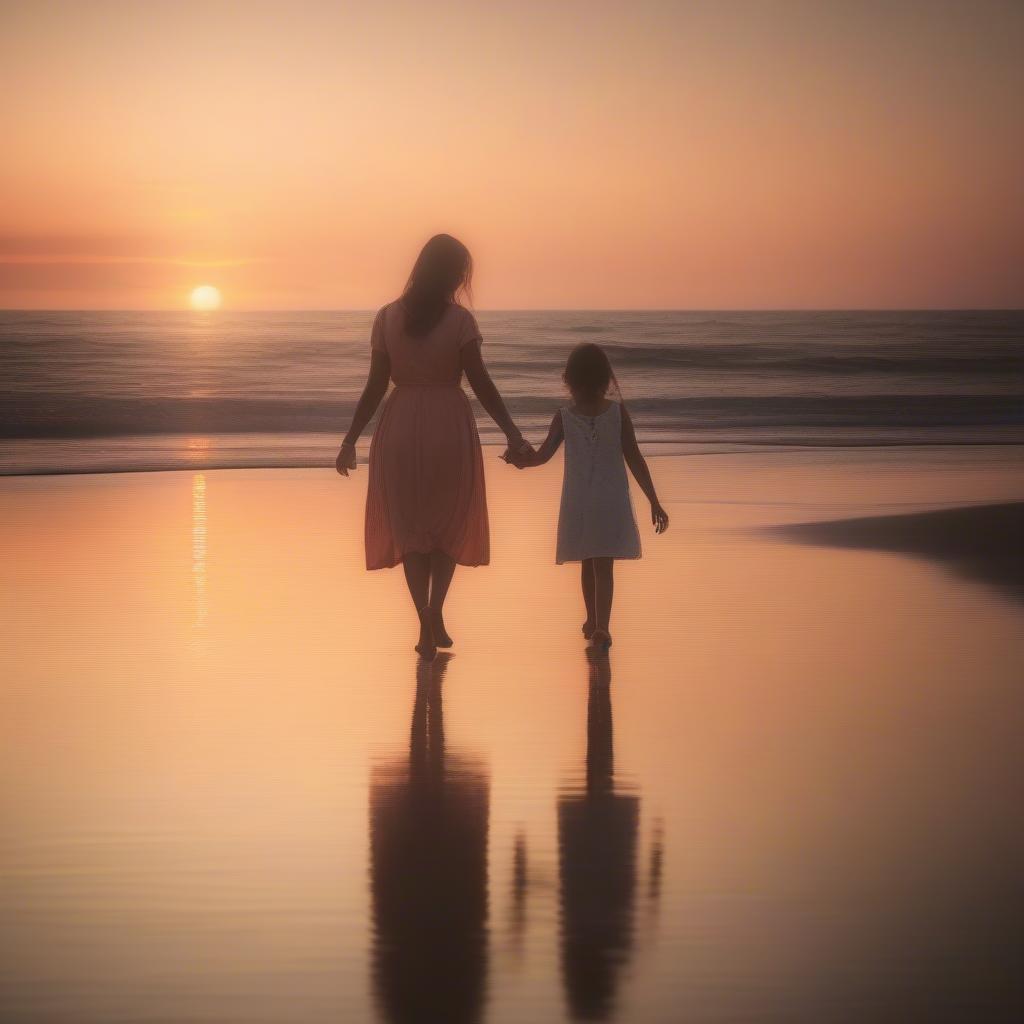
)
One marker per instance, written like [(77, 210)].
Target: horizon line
[(520, 309)]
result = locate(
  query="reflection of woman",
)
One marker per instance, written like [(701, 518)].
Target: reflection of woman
[(597, 839), (428, 852), (425, 504)]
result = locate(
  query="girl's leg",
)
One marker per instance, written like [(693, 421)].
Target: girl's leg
[(589, 599), (442, 568), (604, 588), (417, 578)]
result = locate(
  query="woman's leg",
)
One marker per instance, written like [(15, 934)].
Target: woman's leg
[(417, 577), (442, 568), (589, 599), (604, 588)]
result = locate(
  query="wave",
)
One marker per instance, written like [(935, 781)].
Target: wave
[(794, 378), (64, 416), (753, 357)]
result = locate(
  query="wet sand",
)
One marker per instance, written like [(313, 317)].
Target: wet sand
[(983, 542), (229, 791)]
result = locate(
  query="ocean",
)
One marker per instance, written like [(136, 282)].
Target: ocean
[(122, 391)]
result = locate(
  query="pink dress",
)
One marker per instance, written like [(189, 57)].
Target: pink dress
[(426, 489)]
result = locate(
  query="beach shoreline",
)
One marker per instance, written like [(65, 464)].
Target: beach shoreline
[(212, 712), (85, 456)]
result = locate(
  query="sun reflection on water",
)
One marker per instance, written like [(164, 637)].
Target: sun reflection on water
[(199, 548), (198, 449)]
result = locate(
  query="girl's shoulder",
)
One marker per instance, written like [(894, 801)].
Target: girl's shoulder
[(572, 410)]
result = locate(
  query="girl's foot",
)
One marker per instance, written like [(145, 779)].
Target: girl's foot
[(588, 629), (601, 639), (441, 637), (427, 647)]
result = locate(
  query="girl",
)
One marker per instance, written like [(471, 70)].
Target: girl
[(595, 523)]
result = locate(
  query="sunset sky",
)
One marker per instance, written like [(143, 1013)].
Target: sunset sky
[(591, 154)]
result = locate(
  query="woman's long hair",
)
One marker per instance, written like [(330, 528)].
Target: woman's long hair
[(443, 271)]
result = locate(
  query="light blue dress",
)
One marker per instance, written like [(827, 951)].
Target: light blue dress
[(596, 517)]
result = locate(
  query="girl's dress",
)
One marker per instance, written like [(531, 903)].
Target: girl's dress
[(596, 517), (426, 487)]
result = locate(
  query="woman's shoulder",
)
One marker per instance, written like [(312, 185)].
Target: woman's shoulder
[(463, 323), (461, 312), (391, 317), (386, 314)]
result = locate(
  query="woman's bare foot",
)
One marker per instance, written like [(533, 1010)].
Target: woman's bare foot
[(588, 629), (427, 647), (601, 639), (441, 637)]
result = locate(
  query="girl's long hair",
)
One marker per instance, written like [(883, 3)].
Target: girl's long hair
[(442, 273)]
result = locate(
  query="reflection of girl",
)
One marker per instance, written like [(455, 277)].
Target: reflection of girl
[(597, 840), (428, 864)]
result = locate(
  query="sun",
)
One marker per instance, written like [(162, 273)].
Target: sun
[(205, 298)]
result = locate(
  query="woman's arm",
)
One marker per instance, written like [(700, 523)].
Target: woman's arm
[(375, 389), (638, 467), (484, 389), (543, 454)]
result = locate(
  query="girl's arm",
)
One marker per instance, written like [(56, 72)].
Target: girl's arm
[(543, 454), (484, 389), (638, 467), (375, 389)]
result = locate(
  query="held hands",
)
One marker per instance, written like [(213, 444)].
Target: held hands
[(659, 517), (346, 459), (519, 453), (519, 456)]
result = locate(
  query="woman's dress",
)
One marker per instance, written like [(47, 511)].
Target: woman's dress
[(426, 488), (596, 517)]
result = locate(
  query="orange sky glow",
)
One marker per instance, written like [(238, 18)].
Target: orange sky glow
[(592, 155)]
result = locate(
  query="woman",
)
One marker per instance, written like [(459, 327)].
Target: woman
[(426, 506)]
